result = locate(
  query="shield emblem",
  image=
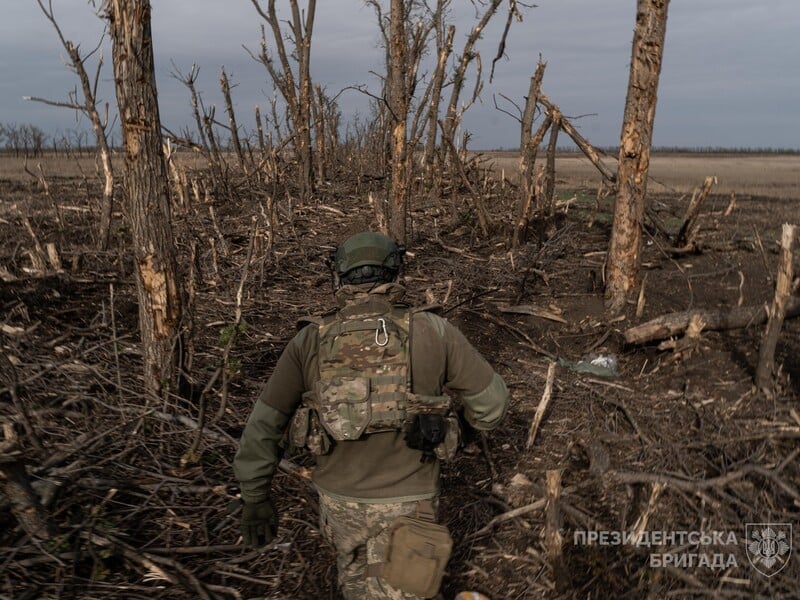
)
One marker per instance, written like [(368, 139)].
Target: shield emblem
[(769, 546)]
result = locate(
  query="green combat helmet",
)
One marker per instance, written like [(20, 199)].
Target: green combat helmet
[(367, 257)]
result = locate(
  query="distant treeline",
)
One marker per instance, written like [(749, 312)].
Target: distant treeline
[(614, 150), (28, 140)]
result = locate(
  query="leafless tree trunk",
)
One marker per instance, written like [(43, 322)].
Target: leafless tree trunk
[(225, 86), (295, 89), (444, 43), (777, 312), (548, 202), (398, 105), (468, 54), (527, 150), (89, 108), (158, 287), (624, 254)]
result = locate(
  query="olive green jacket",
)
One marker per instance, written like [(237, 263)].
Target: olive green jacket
[(379, 467)]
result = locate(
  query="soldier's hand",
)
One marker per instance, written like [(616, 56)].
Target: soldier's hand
[(259, 523)]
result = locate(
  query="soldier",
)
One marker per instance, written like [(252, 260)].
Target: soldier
[(364, 390)]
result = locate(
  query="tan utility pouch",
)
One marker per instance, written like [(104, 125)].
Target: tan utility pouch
[(305, 431), (417, 555)]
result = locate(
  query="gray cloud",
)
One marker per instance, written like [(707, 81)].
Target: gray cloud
[(730, 75)]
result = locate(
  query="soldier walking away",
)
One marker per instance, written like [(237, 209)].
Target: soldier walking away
[(363, 389)]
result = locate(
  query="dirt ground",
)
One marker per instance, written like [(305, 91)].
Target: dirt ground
[(674, 445)]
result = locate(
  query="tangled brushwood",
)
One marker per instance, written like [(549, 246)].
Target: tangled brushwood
[(636, 476)]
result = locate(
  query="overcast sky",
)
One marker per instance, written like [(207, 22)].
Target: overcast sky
[(731, 73)]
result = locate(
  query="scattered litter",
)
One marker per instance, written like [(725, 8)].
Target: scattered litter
[(602, 365)]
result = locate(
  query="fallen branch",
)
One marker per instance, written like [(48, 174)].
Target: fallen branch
[(517, 512), (528, 309), (691, 485), (154, 565), (546, 395), (715, 320)]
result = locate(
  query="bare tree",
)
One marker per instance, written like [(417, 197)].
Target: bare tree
[(295, 88), (528, 147), (148, 206), (398, 100), (624, 254), (468, 54), (88, 106)]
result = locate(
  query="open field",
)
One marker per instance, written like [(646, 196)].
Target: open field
[(745, 175), (771, 176)]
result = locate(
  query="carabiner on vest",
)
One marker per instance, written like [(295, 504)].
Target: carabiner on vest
[(381, 332)]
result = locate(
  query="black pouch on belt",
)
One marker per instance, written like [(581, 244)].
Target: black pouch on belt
[(427, 430)]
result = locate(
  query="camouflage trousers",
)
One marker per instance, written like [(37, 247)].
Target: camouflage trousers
[(360, 534)]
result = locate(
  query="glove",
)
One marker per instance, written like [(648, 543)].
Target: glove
[(259, 523)]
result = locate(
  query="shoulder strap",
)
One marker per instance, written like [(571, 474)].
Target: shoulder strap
[(436, 309), (317, 320)]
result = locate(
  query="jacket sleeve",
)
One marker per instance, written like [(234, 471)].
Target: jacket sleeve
[(486, 409), (483, 392), (257, 458)]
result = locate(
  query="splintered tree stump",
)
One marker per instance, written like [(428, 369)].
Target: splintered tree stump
[(688, 231), (778, 311), (553, 540)]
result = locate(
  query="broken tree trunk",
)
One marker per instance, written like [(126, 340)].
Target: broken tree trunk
[(397, 93), (625, 249), (777, 313), (736, 318), (25, 505), (526, 201), (588, 150), (547, 204), (148, 203), (553, 539), (527, 153), (688, 231)]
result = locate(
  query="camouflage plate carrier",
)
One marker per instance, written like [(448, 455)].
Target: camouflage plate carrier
[(364, 379)]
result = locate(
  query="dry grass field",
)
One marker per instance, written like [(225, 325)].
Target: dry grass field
[(745, 175)]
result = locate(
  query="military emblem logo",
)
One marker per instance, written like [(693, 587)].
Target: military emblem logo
[(769, 546)]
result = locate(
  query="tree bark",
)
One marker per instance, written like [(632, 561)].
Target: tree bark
[(148, 205), (444, 48), (777, 313), (624, 256), (548, 203), (398, 105), (688, 230), (528, 153)]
